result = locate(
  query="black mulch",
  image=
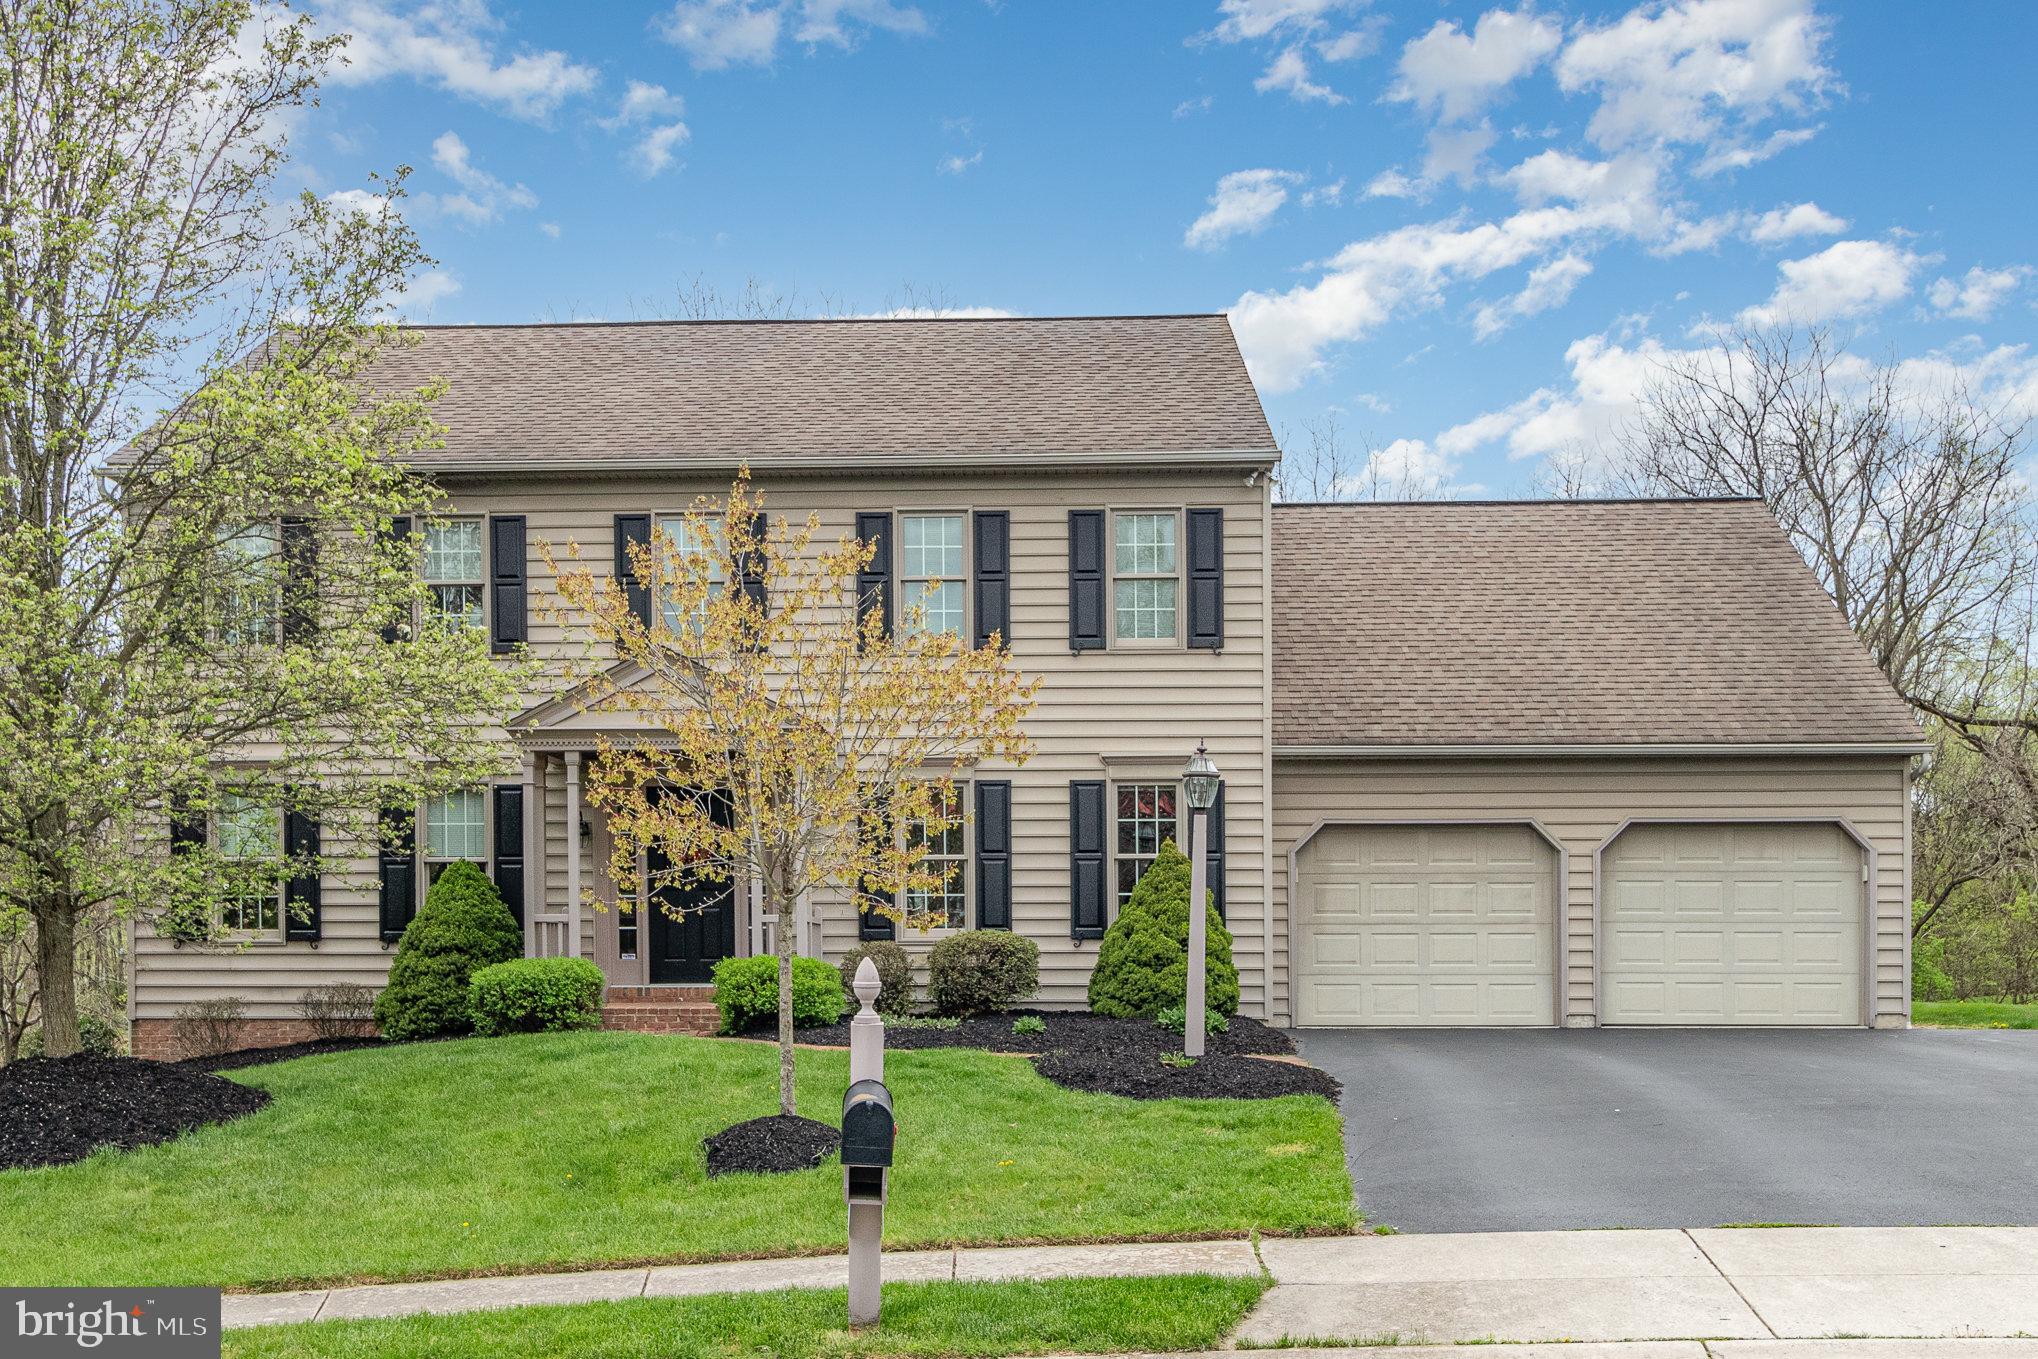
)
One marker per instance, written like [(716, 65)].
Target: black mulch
[(1142, 1075), (57, 1110), (234, 1061), (779, 1143), (1069, 1030)]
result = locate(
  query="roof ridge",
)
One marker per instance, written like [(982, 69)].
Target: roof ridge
[(1531, 502), (809, 321)]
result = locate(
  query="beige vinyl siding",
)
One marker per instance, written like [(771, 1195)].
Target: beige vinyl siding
[(1580, 803)]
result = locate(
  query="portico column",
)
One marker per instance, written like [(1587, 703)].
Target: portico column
[(573, 851), (534, 849)]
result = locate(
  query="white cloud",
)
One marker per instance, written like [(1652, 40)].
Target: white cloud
[(452, 45), (1549, 285), (653, 153), (415, 302), (935, 314), (645, 102), (483, 197), (1454, 75), (551, 229), (958, 163), (1332, 193), (1976, 295), (1392, 184), (1362, 41), (1295, 27), (1189, 106), (1846, 279), (1252, 20), (1457, 153), (717, 34), (1289, 72), (1800, 219), (1739, 155), (1245, 201), (656, 112), (358, 201)]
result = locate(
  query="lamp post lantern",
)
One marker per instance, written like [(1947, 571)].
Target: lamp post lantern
[(1200, 782)]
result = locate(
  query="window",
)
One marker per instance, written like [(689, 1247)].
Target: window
[(250, 610), (947, 907), (456, 828), (1146, 816), (1144, 572), (626, 927), (250, 832), (690, 542), (931, 569), (453, 569)]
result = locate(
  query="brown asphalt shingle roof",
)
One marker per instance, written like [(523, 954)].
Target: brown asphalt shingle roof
[(853, 391), (1639, 622)]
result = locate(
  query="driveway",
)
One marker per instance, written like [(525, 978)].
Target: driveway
[(1494, 1130)]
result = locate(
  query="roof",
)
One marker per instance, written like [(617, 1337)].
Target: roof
[(1577, 623), (886, 392)]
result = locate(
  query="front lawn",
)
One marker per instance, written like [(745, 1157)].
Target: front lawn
[(562, 1150), (1097, 1316), (1973, 1014)]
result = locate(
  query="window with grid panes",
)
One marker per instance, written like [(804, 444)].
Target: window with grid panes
[(1145, 577), (1146, 815)]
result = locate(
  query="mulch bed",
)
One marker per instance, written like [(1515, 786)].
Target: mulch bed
[(55, 1110), (771, 1145), (234, 1061), (1067, 1030), (1142, 1075)]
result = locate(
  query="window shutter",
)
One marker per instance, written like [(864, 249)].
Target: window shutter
[(1086, 859), (399, 896), (187, 828), (300, 579), (509, 622), (868, 925), (1206, 579), (303, 896), (1213, 857), (633, 530), (1086, 580), (993, 583), (398, 532), (994, 854), (751, 569), (509, 846), (874, 582)]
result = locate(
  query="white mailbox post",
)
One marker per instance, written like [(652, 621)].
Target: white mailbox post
[(868, 1128)]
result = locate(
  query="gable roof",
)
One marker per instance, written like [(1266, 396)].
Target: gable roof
[(1610, 623), (857, 393)]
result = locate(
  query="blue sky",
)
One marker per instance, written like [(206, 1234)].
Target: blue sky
[(1468, 233)]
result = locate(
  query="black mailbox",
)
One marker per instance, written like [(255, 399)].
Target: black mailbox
[(867, 1125)]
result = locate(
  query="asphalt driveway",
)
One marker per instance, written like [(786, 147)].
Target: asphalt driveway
[(1491, 1130)]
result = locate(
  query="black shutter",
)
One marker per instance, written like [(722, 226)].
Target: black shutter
[(1206, 579), (869, 925), (398, 532), (399, 897), (509, 623), (1086, 859), (751, 569), (874, 582), (633, 529), (300, 579), (994, 854), (509, 846), (187, 828), (1213, 857), (303, 897), (993, 583), (1086, 580)]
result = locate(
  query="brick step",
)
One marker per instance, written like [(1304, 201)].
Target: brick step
[(693, 1017), (663, 995)]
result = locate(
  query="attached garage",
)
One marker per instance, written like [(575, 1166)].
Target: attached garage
[(1745, 923), (1426, 925)]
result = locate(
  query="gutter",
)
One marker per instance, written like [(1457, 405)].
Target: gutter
[(836, 464), (1596, 751)]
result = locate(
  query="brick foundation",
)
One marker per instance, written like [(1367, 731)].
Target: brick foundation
[(157, 1040), (661, 1009)]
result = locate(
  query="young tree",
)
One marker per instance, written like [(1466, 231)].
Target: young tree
[(789, 736), (196, 571)]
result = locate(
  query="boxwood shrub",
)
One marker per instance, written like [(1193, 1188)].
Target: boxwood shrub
[(1143, 962), (894, 975), (982, 971), (463, 926), (746, 992), (535, 995)]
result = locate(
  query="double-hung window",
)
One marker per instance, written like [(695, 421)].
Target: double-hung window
[(690, 540), (454, 570), (946, 907), (931, 570), (1146, 815), (456, 828), (252, 589), (249, 833), (1145, 577)]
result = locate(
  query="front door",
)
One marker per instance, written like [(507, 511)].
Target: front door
[(693, 927)]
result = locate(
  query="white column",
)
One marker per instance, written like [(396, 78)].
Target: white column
[(534, 855), (1192, 1009), (573, 852)]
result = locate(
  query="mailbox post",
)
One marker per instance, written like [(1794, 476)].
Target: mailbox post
[(868, 1130)]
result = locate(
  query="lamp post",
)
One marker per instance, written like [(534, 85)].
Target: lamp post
[(1199, 783)]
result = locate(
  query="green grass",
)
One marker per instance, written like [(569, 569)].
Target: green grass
[(1973, 1014), (562, 1150), (926, 1319)]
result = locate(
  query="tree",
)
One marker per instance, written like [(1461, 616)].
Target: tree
[(1320, 464), (789, 736), (196, 491)]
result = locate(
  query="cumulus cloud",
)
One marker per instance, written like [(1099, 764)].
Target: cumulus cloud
[(958, 163), (452, 45), (1289, 73), (1846, 279), (1739, 154), (717, 34), (1549, 285), (1245, 201), (1456, 75), (1800, 219), (1392, 184), (482, 197), (1297, 29), (1976, 295), (651, 113)]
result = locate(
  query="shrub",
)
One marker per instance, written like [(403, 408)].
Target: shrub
[(463, 926), (1143, 963), (95, 1036), (894, 974), (981, 971), (746, 992), (337, 1010), (535, 995), (205, 1028), (1029, 1024), (1174, 1017)]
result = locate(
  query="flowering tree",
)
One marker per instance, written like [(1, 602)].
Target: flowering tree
[(789, 737)]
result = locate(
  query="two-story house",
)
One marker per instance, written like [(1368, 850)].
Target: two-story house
[(1546, 764)]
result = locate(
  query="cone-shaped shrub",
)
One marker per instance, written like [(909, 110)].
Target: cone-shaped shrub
[(1143, 962), (463, 926)]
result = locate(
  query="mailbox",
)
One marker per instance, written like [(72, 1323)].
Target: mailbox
[(868, 1127)]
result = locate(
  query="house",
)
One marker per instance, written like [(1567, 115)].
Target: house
[(1484, 764)]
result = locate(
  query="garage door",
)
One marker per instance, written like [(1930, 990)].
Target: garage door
[(1741, 924), (1425, 925)]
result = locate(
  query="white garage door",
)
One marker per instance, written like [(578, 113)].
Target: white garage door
[(1425, 925), (1741, 924)]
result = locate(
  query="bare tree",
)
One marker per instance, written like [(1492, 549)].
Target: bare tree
[(1323, 463)]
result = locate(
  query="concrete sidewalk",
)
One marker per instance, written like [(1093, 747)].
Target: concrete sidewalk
[(1682, 1349)]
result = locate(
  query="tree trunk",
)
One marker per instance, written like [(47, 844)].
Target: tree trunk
[(783, 939), (56, 935)]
